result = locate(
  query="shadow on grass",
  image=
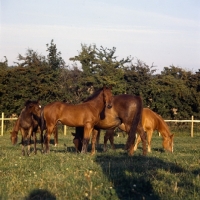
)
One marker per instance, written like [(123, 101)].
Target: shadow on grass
[(40, 194), (132, 176)]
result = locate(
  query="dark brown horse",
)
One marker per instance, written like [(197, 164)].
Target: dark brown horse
[(36, 129), (27, 124), (126, 112), (86, 114), (150, 122)]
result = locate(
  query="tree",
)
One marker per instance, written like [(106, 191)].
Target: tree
[(54, 58), (138, 79), (101, 67), (170, 92)]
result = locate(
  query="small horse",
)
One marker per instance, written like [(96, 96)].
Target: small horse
[(27, 124), (150, 122), (126, 111), (86, 114), (36, 129)]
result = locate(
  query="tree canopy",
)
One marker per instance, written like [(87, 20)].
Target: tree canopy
[(174, 93)]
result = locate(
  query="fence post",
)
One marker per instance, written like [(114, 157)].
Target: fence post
[(65, 130), (2, 123), (192, 126)]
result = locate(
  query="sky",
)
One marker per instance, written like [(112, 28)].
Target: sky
[(158, 32)]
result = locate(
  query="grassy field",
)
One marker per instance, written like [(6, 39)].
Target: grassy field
[(64, 174)]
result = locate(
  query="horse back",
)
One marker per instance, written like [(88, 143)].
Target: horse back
[(127, 105), (153, 121), (69, 114)]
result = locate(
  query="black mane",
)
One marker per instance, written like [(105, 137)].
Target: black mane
[(95, 94)]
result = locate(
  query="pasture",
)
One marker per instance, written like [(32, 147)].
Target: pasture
[(64, 174)]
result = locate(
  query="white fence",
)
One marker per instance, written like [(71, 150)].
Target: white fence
[(192, 121)]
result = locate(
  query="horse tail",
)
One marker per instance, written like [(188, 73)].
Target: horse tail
[(42, 121), (136, 120)]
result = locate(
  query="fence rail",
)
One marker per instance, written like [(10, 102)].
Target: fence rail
[(192, 121)]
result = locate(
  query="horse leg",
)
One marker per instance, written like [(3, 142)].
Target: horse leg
[(47, 138), (86, 137), (149, 136), (55, 132), (138, 140), (143, 137), (98, 137), (42, 141), (106, 137), (94, 140), (29, 140), (109, 135), (35, 141), (23, 141)]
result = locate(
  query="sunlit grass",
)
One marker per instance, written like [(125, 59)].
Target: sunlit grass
[(64, 174)]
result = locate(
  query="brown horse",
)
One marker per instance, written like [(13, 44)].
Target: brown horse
[(86, 114), (36, 129), (150, 122), (27, 124), (126, 112)]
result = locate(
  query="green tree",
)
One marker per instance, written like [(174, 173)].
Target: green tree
[(101, 67), (171, 96), (138, 78), (54, 58)]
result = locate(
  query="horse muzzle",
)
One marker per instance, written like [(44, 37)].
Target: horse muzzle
[(109, 106)]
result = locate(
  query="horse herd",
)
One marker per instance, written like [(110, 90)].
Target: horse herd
[(99, 111)]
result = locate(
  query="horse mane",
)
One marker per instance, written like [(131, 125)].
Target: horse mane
[(94, 95), (29, 102), (162, 123)]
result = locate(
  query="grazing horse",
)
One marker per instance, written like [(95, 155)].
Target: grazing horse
[(36, 128), (27, 124), (126, 111), (150, 122), (86, 114)]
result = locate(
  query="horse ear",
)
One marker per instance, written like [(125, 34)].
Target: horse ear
[(27, 102), (73, 134)]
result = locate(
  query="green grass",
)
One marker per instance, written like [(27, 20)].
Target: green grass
[(64, 174)]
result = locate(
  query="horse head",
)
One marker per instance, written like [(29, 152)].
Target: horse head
[(108, 97), (13, 137), (33, 107), (77, 142), (168, 143), (78, 138)]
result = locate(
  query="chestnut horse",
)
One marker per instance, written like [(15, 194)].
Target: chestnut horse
[(150, 122), (86, 114), (27, 124), (126, 112)]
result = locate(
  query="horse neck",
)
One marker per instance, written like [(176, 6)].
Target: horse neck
[(16, 126), (162, 127), (26, 115), (98, 102)]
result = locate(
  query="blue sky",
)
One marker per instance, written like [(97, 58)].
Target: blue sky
[(163, 32)]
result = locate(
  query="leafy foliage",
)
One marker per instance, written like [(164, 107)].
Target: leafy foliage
[(174, 93)]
